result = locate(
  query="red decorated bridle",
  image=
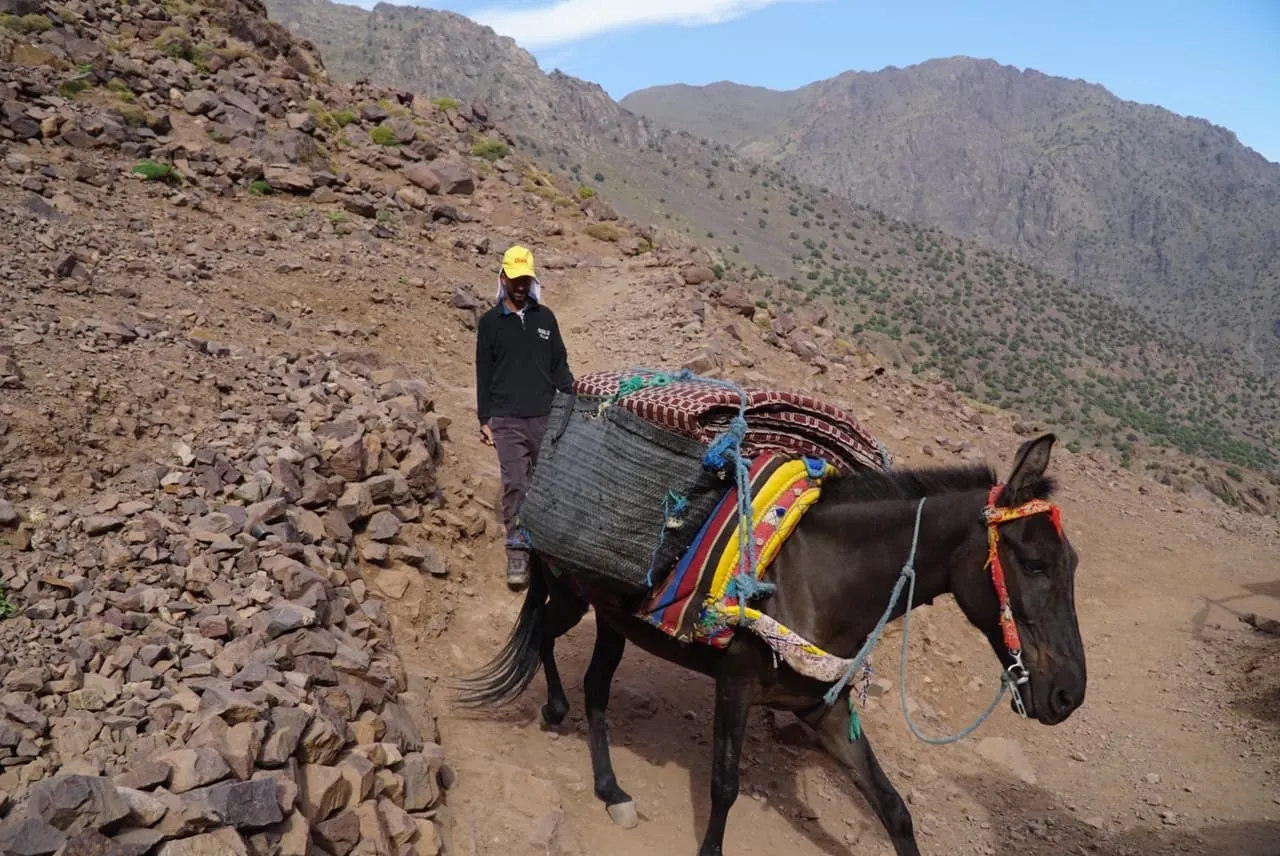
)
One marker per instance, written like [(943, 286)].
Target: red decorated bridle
[(994, 515)]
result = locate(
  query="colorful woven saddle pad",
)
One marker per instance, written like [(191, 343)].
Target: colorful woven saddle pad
[(777, 420), (691, 602)]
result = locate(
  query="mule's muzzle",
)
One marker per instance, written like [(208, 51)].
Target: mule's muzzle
[(1061, 696)]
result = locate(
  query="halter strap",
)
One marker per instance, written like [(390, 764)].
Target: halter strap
[(994, 516)]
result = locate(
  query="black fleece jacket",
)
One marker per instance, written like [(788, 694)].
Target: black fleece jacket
[(520, 362)]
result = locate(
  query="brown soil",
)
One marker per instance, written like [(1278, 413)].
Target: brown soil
[(1174, 750)]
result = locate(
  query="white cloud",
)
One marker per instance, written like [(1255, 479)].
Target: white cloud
[(566, 21)]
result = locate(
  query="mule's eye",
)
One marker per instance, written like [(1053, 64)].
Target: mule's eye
[(1035, 567)]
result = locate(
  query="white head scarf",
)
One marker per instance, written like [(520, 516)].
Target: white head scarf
[(535, 290)]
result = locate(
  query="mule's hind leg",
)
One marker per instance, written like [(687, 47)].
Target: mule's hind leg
[(604, 663), (564, 611), (832, 727)]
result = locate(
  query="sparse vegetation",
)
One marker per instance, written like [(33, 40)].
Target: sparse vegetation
[(1095, 368), (444, 102), (490, 149), (152, 171), (25, 24), (72, 86), (605, 231), (261, 187), (384, 136), (175, 42)]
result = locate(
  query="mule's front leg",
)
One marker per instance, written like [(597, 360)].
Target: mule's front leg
[(832, 727), (604, 662), (737, 685)]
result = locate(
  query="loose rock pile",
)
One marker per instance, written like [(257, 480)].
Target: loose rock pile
[(196, 666)]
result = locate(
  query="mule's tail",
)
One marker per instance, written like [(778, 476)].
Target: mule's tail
[(511, 671)]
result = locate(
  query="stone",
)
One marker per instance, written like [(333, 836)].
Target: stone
[(29, 836), (421, 789), (423, 176), (383, 526), (455, 178), (222, 842), (199, 102), (73, 803), (91, 842), (1007, 753), (340, 834), (241, 804), (194, 768), (697, 275), (286, 730), (290, 179), (322, 790)]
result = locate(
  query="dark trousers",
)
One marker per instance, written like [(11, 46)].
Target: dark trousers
[(518, 440)]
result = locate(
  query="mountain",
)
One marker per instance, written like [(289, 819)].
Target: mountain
[(1117, 197), (1095, 365)]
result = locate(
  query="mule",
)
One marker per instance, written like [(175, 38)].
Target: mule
[(833, 579)]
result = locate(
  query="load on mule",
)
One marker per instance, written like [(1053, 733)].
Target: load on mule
[(831, 573)]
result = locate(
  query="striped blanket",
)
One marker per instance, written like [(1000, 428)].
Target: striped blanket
[(777, 420), (691, 603)]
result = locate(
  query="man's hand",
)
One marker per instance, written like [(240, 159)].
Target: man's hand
[(486, 434)]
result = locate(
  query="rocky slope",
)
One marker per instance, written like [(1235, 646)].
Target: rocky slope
[(1101, 369), (1111, 194), (245, 528), (203, 513)]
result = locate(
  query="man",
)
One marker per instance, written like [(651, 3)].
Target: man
[(520, 364)]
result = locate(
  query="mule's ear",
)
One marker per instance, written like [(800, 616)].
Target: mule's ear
[(1028, 469)]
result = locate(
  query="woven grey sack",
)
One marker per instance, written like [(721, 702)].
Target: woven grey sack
[(597, 505)]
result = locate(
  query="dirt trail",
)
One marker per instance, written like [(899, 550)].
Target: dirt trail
[(1166, 756)]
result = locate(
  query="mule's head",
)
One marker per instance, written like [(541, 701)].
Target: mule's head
[(1029, 556)]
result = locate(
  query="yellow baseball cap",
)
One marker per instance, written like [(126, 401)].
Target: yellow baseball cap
[(518, 262)]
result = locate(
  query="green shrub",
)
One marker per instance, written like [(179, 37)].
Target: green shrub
[(261, 187), (605, 232), (585, 192), (152, 171), (175, 42), (446, 103), (383, 136), (73, 86), (26, 23), (490, 150)]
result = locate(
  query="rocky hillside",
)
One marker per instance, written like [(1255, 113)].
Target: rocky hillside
[(1094, 365), (214, 482), (246, 523), (1117, 197)]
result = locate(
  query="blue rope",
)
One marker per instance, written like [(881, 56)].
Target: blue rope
[(902, 687), (674, 505), (724, 451), (873, 638), (907, 576)]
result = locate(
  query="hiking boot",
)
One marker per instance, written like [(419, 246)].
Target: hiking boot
[(517, 569)]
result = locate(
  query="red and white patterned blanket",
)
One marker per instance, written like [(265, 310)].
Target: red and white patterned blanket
[(777, 420)]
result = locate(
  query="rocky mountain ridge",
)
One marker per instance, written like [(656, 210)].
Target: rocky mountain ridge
[(1116, 196)]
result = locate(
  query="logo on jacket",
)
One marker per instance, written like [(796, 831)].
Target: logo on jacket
[(544, 333)]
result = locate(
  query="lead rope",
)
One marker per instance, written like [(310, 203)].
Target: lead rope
[(908, 576)]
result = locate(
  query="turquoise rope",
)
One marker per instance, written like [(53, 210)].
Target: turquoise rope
[(873, 638), (902, 688), (724, 451), (908, 576)]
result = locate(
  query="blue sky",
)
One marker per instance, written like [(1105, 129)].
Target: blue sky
[(1215, 59)]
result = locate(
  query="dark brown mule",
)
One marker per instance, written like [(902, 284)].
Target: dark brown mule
[(833, 578)]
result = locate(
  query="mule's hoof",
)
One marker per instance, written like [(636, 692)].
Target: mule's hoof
[(624, 814), (554, 716)]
